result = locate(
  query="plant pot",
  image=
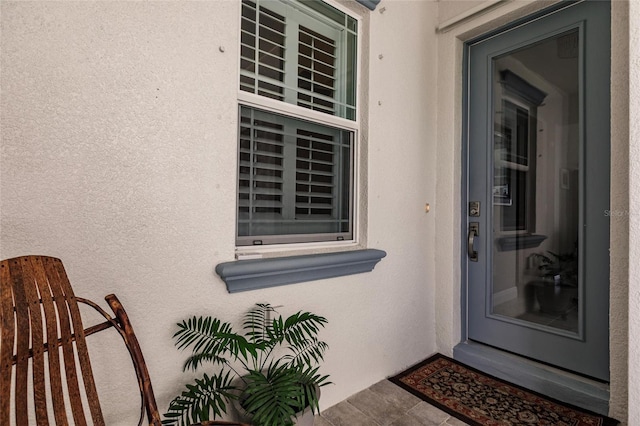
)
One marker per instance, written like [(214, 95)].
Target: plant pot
[(555, 299), (305, 418)]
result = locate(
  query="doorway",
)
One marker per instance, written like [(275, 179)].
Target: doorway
[(537, 233)]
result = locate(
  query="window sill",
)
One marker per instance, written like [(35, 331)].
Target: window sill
[(246, 275), (518, 242)]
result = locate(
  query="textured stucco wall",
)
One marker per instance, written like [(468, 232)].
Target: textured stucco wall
[(118, 156), (634, 213), (118, 125), (619, 309)]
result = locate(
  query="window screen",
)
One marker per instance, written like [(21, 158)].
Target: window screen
[(294, 177)]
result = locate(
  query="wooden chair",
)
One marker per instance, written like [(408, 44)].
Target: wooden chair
[(41, 326)]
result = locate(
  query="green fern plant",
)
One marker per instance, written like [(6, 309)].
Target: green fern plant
[(272, 389), (564, 266)]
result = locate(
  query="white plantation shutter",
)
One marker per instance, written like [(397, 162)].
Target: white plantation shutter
[(294, 178), (316, 71), (314, 174), (320, 175), (290, 55), (260, 181), (262, 51)]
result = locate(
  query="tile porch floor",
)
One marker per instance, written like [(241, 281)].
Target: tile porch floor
[(384, 404)]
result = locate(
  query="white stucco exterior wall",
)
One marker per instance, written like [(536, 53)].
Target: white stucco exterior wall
[(119, 157), (118, 152), (621, 244), (634, 213)]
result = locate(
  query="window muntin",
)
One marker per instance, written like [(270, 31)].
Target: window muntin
[(295, 180), (300, 53)]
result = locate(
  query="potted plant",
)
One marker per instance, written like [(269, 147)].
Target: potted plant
[(557, 293), (270, 368), (561, 269)]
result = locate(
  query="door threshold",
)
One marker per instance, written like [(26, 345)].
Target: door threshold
[(546, 380)]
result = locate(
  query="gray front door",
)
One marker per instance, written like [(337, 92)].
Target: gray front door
[(538, 188)]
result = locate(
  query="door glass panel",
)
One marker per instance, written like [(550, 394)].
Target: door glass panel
[(536, 185)]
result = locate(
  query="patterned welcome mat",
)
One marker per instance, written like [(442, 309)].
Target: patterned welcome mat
[(482, 400)]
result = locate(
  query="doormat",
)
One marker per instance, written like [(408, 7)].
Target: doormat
[(482, 400)]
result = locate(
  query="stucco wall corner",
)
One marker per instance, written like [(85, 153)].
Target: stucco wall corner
[(619, 222), (634, 213)]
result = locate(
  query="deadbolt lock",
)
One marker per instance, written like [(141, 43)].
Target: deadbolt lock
[(474, 208)]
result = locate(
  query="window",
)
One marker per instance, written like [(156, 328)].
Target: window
[(514, 178), (297, 123), (515, 146)]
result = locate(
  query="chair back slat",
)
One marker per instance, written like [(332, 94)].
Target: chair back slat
[(81, 345), (37, 351), (51, 325), (22, 342), (42, 334), (36, 291), (66, 342), (7, 336)]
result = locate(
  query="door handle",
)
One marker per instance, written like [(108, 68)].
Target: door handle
[(474, 231)]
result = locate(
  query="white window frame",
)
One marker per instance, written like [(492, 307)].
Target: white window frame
[(251, 100)]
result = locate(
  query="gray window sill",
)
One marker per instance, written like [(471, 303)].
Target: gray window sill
[(245, 275), (370, 4), (518, 242)]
